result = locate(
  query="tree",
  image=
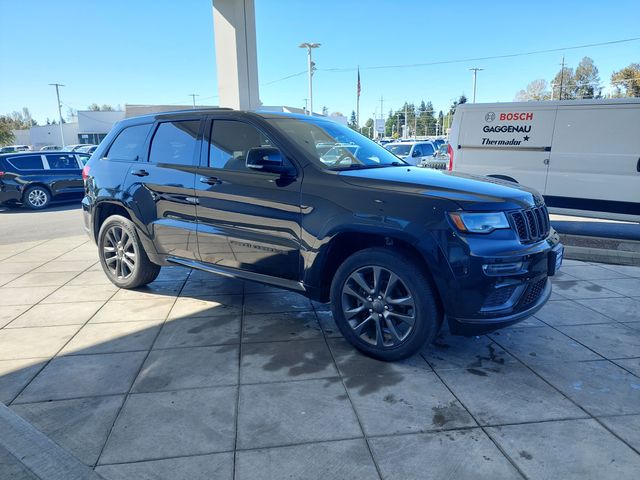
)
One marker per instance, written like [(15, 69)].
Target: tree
[(353, 121), (536, 90), (587, 79), (563, 85), (455, 103), (627, 81), (94, 107), (367, 129), (6, 135)]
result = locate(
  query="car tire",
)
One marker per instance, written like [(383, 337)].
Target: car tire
[(395, 315), (122, 255), (36, 197)]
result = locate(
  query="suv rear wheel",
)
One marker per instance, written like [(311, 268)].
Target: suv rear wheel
[(122, 256), (383, 304), (36, 197)]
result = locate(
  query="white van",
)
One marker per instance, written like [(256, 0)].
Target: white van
[(582, 155)]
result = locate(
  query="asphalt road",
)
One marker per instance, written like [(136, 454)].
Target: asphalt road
[(22, 225)]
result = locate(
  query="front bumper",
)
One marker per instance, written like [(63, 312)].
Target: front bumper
[(479, 326), (487, 282)]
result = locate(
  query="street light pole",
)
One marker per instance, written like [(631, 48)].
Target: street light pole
[(57, 85), (310, 66), (475, 71)]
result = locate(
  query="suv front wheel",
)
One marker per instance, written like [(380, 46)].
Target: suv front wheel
[(383, 304), (122, 255)]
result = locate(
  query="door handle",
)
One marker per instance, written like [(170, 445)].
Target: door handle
[(139, 173), (546, 161), (210, 180)]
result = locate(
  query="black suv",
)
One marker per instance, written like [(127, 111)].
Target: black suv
[(258, 196), (36, 179)]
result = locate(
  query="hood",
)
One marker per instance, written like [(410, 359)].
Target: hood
[(470, 192)]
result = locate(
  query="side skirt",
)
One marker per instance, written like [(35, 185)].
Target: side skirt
[(241, 274)]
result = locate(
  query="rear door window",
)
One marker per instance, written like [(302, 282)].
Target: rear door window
[(175, 142), (60, 161), (129, 143), (27, 162)]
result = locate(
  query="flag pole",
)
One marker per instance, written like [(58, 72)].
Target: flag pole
[(358, 102)]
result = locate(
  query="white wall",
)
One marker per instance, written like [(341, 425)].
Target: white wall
[(50, 135), (97, 122)]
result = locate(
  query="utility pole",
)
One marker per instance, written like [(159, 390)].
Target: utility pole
[(561, 78), (193, 96), (58, 85), (311, 68), (475, 71), (384, 128), (404, 131)]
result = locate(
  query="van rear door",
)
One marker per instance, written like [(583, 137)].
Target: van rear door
[(595, 160), (511, 142)]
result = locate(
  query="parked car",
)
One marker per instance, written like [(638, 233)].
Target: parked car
[(87, 149), (396, 249), (412, 152), (582, 155), (75, 147), (439, 160), (438, 142), (37, 179), (15, 148), (48, 148)]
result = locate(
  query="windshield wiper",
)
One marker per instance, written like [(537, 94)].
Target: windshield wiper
[(360, 166)]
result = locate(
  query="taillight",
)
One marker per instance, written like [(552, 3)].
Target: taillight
[(1, 174), (450, 152), (85, 172)]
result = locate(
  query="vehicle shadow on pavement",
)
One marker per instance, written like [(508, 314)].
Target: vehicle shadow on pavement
[(57, 207)]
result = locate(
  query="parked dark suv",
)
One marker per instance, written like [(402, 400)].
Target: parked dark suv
[(35, 179), (395, 249)]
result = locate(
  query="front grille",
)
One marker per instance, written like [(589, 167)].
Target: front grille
[(531, 224), (533, 292)]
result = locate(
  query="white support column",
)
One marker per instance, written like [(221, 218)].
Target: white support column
[(234, 26)]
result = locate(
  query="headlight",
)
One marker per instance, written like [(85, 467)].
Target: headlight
[(474, 222)]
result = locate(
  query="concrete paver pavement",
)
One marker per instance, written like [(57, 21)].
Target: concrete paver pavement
[(197, 376)]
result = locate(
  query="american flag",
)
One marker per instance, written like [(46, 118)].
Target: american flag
[(358, 81)]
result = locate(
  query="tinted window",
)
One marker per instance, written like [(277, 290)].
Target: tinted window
[(129, 142), (427, 149), (61, 161), (175, 142), (28, 162), (84, 158), (230, 142)]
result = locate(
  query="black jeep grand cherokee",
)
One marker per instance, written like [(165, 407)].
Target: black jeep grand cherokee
[(308, 205)]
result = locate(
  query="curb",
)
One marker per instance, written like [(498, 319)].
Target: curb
[(38, 453), (603, 250)]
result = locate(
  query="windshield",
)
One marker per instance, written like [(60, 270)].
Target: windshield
[(399, 148), (334, 146)]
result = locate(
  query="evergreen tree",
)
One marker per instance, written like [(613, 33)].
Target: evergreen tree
[(587, 79)]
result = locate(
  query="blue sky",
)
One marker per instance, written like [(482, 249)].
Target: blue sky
[(145, 51)]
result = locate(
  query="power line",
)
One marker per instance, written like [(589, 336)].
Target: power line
[(492, 57), (463, 60)]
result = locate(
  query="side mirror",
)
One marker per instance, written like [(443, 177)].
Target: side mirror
[(267, 159)]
